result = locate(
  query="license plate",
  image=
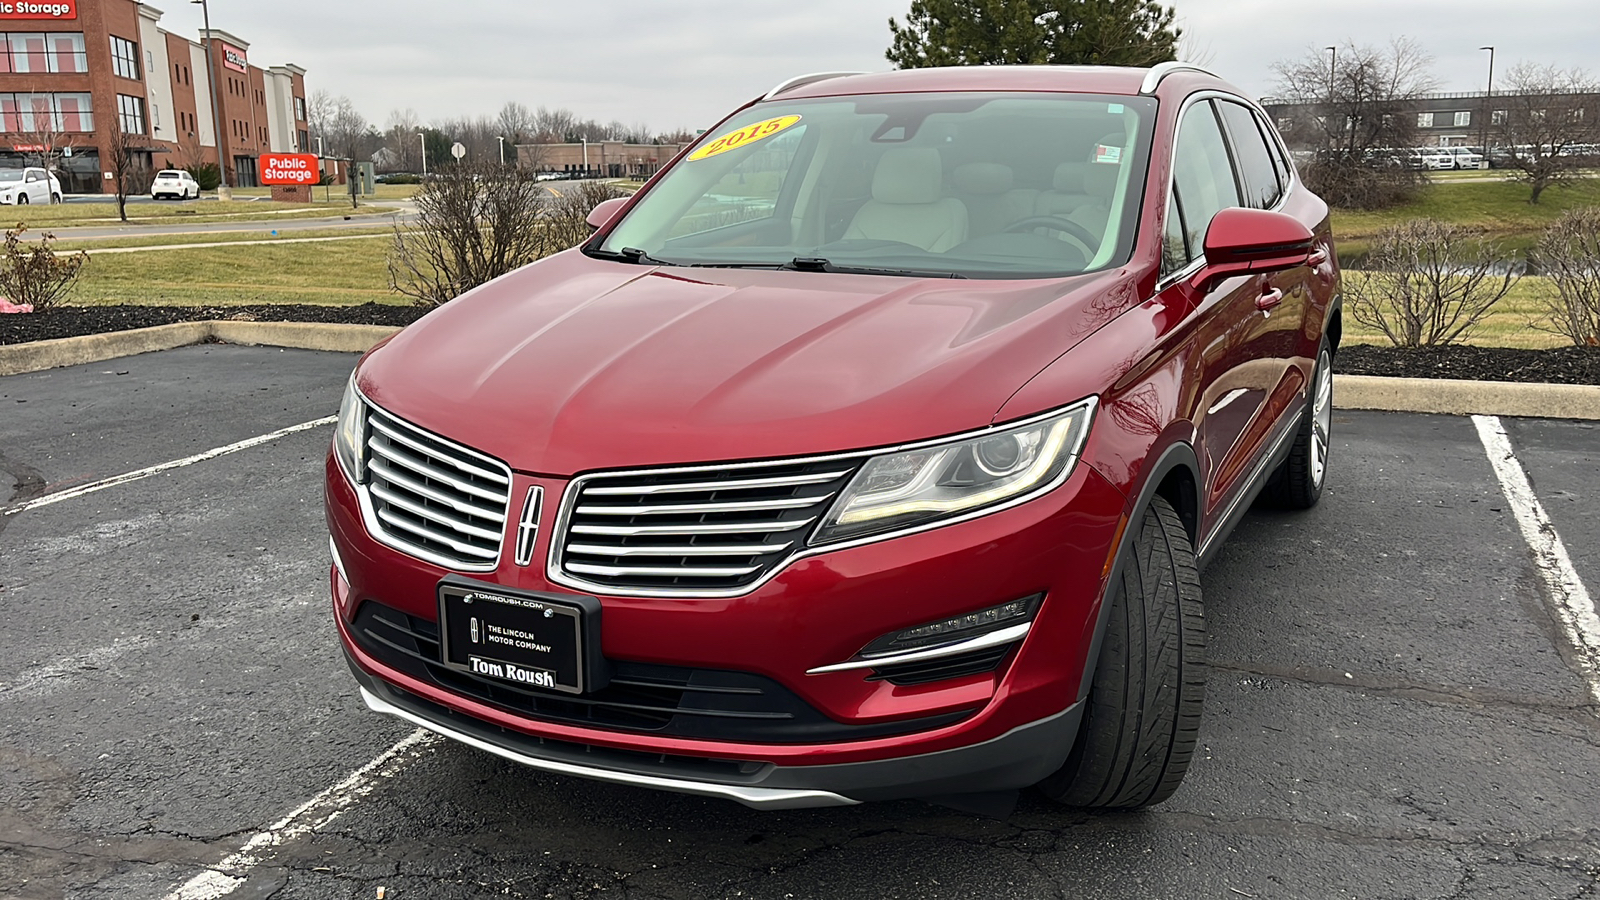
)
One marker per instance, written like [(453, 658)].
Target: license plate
[(521, 638)]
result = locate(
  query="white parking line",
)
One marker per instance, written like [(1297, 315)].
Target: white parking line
[(230, 874), (1573, 607), (126, 477)]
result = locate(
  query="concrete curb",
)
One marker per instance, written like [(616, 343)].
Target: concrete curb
[(1422, 395), (1451, 397)]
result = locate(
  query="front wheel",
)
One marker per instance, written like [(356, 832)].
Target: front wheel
[(54, 199), (22, 199), (1298, 482), (1142, 720)]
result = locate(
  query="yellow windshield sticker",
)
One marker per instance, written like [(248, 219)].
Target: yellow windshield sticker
[(749, 134)]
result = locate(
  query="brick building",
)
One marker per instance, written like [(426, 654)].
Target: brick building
[(73, 70), (598, 159)]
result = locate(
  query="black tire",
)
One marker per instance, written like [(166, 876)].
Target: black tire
[(22, 199), (54, 199), (1297, 484), (1143, 714)]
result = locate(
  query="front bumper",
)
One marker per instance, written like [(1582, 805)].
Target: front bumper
[(1020, 757), (996, 730)]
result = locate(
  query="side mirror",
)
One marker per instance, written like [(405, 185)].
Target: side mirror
[(604, 212), (1242, 241)]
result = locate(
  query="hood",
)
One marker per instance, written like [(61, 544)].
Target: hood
[(573, 364)]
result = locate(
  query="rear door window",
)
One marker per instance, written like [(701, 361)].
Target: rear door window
[(1258, 176)]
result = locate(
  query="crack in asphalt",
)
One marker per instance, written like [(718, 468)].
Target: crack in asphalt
[(1483, 698)]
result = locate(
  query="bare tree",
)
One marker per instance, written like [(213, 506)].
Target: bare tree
[(319, 112), (125, 160), (1569, 254), (47, 134), (517, 123), (1427, 283), (1352, 112), (478, 221), (400, 139), (1544, 120)]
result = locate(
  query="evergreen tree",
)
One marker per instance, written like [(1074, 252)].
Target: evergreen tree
[(1035, 32)]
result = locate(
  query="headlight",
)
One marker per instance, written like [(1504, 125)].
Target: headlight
[(907, 488), (349, 437)]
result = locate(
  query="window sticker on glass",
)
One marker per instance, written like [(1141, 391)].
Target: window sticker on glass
[(746, 135), (1105, 154), (1114, 108)]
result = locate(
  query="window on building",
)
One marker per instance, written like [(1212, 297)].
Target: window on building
[(130, 114), (1463, 119), (27, 52), (149, 60), (66, 52), (1575, 114), (304, 139), (1498, 117), (300, 109), (155, 115), (124, 57), (44, 112), (1424, 120)]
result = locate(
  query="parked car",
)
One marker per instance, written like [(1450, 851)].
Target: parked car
[(1435, 158), (31, 184), (872, 450), (1463, 157), (174, 184)]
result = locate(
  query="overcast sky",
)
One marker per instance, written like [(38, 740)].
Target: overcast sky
[(672, 63)]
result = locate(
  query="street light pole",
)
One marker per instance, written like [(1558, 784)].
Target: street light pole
[(1483, 127), (1333, 69), (502, 139), (423, 140), (223, 192), (585, 157)]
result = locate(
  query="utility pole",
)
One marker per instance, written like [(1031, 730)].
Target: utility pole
[(423, 139), (223, 191), (502, 139)]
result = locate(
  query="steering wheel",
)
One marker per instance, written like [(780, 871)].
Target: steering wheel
[(1057, 223)]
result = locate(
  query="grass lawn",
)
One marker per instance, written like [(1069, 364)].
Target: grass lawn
[(1499, 207), (1507, 325), (336, 192), (68, 214), (265, 234), (334, 273)]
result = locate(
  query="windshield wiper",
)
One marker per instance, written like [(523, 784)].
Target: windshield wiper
[(630, 255), (818, 264)]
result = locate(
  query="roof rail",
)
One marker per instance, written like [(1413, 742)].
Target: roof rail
[(803, 80), (1152, 78)]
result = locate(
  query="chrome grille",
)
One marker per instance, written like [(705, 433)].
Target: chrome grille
[(432, 498), (701, 530)]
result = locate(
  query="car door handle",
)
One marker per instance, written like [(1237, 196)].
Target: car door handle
[(1318, 261), (1269, 298)]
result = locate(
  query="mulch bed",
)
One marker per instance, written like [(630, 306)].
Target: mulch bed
[(1566, 365)]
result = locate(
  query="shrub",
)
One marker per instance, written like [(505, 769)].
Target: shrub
[(400, 178), (1569, 253), (477, 222), (34, 273), (206, 174), (1427, 283), (1348, 184)]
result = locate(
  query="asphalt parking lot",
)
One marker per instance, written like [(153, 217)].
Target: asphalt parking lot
[(1397, 709)]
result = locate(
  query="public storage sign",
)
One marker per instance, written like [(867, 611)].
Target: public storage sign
[(38, 9), (289, 168)]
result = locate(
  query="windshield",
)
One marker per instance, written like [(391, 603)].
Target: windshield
[(974, 185), (10, 175)]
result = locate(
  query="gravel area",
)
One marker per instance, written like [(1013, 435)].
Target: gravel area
[(1566, 365)]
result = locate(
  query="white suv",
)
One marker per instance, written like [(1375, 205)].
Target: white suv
[(174, 183), (29, 185)]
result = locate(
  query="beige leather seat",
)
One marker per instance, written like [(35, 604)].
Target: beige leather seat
[(1066, 191), (908, 204), (986, 189)]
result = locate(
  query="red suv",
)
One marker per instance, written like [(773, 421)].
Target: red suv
[(871, 450)]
